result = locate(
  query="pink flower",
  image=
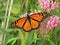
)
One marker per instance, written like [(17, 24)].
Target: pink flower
[(53, 22), (48, 4), (54, 6)]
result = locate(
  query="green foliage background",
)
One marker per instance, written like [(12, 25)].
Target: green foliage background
[(17, 36)]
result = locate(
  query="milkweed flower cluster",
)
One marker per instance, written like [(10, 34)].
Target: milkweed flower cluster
[(48, 4), (53, 22)]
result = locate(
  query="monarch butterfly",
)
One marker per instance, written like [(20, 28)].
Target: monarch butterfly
[(30, 22)]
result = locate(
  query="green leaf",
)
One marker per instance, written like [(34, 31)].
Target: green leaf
[(12, 39), (51, 42), (2, 31), (58, 0), (30, 38)]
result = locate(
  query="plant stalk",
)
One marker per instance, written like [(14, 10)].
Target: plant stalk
[(6, 20)]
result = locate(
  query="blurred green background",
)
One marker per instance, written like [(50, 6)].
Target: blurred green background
[(11, 10)]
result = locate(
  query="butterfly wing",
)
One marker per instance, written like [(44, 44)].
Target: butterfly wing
[(13, 24), (45, 14), (34, 24), (19, 23), (22, 23), (38, 17), (27, 26)]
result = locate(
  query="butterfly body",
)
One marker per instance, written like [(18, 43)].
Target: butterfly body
[(30, 22), (28, 17)]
